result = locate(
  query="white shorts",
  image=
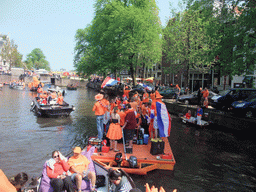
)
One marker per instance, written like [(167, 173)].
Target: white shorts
[(199, 120)]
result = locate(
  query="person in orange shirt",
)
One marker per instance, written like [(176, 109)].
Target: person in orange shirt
[(126, 92), (60, 99), (152, 95), (205, 92), (122, 115), (100, 110), (188, 114), (145, 97), (14, 184), (134, 104), (154, 112), (79, 168), (54, 95)]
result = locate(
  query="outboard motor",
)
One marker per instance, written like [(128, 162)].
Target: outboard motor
[(118, 159), (133, 162)]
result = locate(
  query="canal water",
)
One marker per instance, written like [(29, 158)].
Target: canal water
[(211, 159)]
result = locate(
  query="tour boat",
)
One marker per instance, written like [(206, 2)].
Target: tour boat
[(51, 110)]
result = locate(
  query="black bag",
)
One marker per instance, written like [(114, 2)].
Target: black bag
[(157, 147), (100, 181)]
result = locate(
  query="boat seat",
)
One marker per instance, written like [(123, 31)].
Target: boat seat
[(45, 185)]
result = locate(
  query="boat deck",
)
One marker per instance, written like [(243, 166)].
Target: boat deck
[(146, 161)]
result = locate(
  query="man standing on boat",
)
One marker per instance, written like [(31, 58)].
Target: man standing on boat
[(161, 120), (100, 109), (130, 124)]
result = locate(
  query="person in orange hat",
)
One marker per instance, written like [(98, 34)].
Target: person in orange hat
[(158, 98), (100, 108), (79, 168), (177, 92), (126, 91)]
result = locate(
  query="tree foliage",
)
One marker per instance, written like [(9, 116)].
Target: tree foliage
[(37, 60), (234, 32), (10, 54), (123, 35)]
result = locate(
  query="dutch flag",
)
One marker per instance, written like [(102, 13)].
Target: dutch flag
[(163, 120)]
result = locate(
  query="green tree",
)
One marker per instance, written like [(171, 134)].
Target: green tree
[(37, 60), (123, 35), (11, 54), (235, 47), (186, 43)]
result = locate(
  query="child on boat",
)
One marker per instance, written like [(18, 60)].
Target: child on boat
[(115, 131)]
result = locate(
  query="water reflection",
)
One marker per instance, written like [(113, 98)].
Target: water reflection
[(54, 122)]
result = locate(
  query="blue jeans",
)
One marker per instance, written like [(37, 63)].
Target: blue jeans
[(100, 128)]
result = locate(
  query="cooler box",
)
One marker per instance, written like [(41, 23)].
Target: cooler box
[(104, 149), (145, 139)]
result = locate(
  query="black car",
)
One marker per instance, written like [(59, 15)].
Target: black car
[(193, 98), (169, 93), (244, 107)]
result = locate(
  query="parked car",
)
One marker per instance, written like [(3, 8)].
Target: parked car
[(168, 93), (244, 107), (227, 97), (193, 98)]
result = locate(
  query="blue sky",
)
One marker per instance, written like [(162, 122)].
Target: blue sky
[(51, 26)]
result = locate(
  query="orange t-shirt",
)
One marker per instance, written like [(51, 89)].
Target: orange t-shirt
[(122, 117), (205, 93), (99, 108), (126, 92), (152, 96), (80, 164), (60, 100), (134, 105), (5, 185), (145, 98)]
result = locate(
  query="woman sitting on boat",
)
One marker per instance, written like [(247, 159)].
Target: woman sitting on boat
[(114, 131), (60, 99), (57, 170)]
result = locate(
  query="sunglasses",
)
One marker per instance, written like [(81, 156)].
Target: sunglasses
[(56, 156)]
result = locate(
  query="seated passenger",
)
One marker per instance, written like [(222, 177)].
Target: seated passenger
[(79, 169), (57, 170), (54, 95), (119, 180), (60, 99), (188, 114)]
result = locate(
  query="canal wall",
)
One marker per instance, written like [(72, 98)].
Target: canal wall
[(64, 82), (219, 118), (45, 79)]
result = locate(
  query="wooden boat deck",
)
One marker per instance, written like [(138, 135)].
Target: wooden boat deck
[(146, 161)]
